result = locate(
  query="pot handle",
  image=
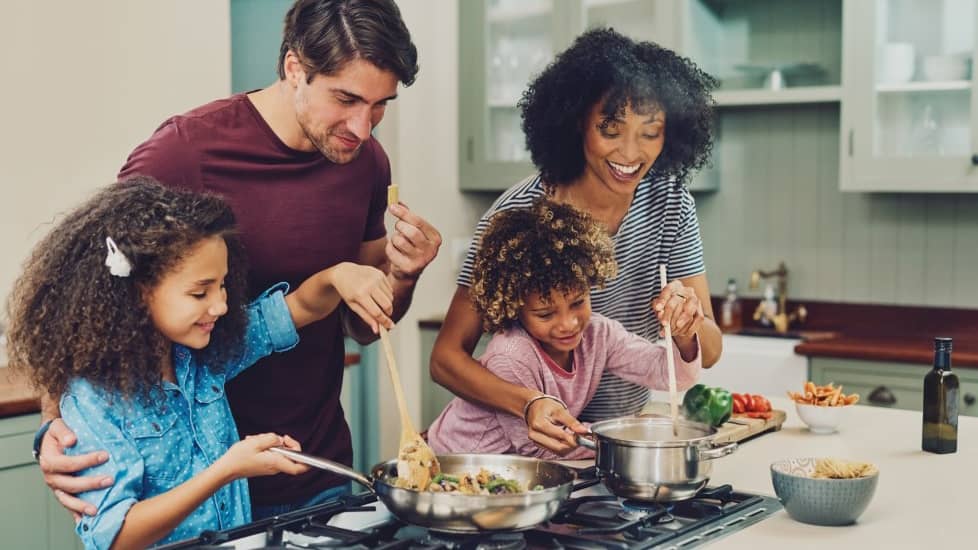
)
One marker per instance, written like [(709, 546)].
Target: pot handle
[(328, 465), (717, 452), (587, 441)]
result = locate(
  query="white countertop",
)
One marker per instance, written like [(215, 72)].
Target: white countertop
[(923, 500)]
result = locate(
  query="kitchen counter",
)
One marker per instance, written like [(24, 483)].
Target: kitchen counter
[(16, 397), (923, 500)]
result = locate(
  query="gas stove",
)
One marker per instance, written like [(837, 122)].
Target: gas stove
[(591, 519)]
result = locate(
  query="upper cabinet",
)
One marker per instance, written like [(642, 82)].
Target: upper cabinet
[(503, 44), (765, 52), (908, 119)]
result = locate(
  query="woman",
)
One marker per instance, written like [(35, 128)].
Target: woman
[(615, 128)]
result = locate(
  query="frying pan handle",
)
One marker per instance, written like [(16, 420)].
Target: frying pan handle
[(587, 441), (327, 465), (717, 452)]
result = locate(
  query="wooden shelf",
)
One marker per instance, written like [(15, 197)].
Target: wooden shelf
[(916, 87), (786, 96)]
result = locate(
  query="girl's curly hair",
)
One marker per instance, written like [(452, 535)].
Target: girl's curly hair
[(603, 65), (69, 317), (538, 249)]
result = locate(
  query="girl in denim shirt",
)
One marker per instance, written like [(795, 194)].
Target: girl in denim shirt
[(133, 311)]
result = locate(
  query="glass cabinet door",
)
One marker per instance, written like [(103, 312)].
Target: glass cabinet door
[(519, 44), (913, 99), (502, 45)]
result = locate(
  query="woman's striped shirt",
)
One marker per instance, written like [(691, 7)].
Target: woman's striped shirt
[(659, 227)]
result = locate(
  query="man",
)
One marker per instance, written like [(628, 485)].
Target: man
[(307, 182)]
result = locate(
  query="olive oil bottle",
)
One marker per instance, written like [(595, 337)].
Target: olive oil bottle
[(941, 402)]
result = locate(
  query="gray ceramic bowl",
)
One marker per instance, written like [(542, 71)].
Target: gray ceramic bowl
[(820, 501)]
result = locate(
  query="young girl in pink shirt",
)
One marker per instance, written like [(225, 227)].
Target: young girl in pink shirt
[(531, 284)]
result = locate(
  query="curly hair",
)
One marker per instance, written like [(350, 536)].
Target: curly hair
[(69, 317), (603, 65), (535, 250)]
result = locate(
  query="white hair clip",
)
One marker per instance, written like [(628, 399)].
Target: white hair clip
[(116, 261)]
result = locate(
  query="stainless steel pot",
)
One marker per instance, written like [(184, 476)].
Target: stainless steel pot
[(638, 457), (460, 513)]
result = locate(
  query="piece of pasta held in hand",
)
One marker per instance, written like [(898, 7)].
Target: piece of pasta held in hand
[(392, 194), (940, 430)]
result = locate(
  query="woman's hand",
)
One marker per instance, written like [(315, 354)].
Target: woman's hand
[(550, 426), (367, 291), (680, 308), (251, 457)]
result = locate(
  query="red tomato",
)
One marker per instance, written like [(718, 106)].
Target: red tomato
[(739, 403)]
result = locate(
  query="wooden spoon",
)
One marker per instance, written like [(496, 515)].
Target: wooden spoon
[(416, 462), (671, 363)]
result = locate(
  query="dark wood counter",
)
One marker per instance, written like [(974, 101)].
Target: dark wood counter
[(16, 396), (870, 332)]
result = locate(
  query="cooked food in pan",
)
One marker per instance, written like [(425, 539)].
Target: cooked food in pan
[(483, 483)]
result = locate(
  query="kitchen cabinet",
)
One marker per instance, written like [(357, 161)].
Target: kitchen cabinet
[(32, 518), (891, 385), (908, 119)]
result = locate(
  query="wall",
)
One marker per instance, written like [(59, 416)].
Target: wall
[(779, 199), (84, 83)]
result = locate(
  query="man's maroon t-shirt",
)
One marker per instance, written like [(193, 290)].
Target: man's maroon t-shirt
[(298, 213)]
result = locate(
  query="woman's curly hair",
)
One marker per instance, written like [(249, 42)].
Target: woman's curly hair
[(69, 317), (535, 250), (603, 65)]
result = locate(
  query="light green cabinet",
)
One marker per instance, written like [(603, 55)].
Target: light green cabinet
[(892, 385), (32, 518), (908, 119), (433, 396)]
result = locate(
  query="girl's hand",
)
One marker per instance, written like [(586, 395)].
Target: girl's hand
[(251, 457), (550, 426), (367, 291), (680, 307)]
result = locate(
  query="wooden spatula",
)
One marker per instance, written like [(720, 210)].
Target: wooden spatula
[(416, 462)]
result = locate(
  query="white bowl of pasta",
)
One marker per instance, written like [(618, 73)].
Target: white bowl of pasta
[(824, 491)]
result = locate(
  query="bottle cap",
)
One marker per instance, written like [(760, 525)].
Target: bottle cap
[(942, 344)]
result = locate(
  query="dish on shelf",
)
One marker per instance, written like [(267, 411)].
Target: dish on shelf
[(776, 75)]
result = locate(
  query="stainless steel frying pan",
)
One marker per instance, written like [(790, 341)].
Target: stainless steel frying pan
[(461, 513)]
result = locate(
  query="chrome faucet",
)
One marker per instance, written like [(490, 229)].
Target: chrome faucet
[(781, 319)]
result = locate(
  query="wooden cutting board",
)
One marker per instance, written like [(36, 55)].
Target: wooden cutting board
[(740, 428)]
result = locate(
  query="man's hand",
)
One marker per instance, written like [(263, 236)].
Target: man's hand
[(59, 469), (552, 427), (366, 291), (413, 245)]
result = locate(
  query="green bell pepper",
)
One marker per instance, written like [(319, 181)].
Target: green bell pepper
[(708, 405)]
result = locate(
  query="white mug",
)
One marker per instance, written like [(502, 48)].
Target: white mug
[(896, 63)]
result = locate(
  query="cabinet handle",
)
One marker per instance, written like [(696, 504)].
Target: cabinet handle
[(882, 396), (969, 399), (974, 160)]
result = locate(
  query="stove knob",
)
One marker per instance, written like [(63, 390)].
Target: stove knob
[(969, 399)]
